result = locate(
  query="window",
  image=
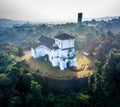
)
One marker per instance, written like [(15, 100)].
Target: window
[(52, 58), (68, 55)]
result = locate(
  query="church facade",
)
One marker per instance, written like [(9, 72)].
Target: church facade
[(59, 51)]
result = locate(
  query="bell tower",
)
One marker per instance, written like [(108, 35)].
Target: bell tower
[(80, 18)]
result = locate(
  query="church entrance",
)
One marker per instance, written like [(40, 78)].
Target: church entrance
[(68, 64), (46, 58)]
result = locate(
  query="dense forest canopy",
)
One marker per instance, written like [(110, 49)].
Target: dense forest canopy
[(19, 85)]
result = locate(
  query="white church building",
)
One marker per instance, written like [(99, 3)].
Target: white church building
[(59, 51)]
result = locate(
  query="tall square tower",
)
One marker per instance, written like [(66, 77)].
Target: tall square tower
[(80, 18)]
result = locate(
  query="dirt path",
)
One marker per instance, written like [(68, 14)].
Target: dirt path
[(26, 56)]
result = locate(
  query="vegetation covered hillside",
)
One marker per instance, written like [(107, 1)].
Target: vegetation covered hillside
[(20, 85), (27, 34)]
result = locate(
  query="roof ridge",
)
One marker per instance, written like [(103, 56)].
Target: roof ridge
[(64, 36)]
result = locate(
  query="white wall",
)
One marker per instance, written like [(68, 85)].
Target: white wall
[(73, 62), (65, 43), (58, 42), (33, 53), (63, 53), (38, 52), (55, 55)]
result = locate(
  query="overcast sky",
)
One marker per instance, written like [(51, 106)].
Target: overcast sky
[(57, 10)]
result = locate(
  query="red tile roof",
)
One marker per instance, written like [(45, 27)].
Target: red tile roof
[(64, 36), (48, 42), (36, 45)]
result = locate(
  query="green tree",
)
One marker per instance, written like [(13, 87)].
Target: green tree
[(15, 101), (15, 75), (20, 51), (98, 66), (35, 95), (6, 62), (51, 99), (6, 87), (82, 100), (23, 66), (112, 67), (25, 82), (112, 74), (99, 90)]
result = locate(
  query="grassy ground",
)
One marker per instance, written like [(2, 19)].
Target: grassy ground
[(86, 61), (45, 68)]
